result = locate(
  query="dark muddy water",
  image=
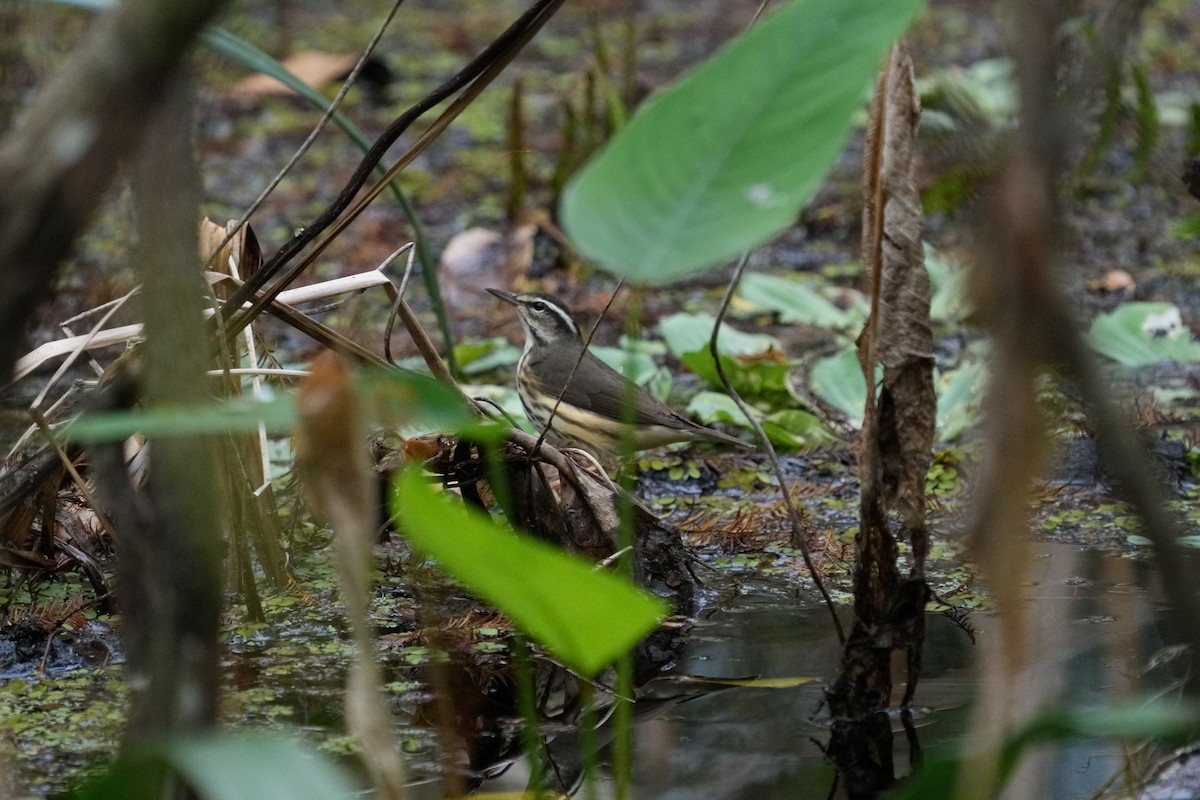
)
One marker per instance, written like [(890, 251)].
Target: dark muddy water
[(1099, 627)]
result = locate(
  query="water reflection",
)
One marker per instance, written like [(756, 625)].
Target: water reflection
[(1097, 628)]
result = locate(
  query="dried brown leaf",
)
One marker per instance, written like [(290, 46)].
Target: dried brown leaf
[(240, 257), (316, 68), (898, 434)]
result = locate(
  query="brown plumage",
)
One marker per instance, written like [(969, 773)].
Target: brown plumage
[(594, 406)]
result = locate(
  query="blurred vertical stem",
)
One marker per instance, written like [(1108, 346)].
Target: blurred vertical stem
[(1028, 316), (623, 712), (589, 741), (170, 559), (531, 737)]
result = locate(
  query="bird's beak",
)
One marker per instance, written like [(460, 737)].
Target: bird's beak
[(507, 297)]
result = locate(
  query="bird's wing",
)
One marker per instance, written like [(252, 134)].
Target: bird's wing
[(610, 402)]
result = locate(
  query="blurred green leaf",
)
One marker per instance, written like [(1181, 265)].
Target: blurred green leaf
[(789, 430), (798, 301), (947, 278), (225, 766), (1136, 539), (398, 399), (586, 617), (1187, 229), (638, 366), (710, 407), (794, 429), (1141, 334), (476, 357), (959, 394), (414, 400), (762, 120), (277, 413)]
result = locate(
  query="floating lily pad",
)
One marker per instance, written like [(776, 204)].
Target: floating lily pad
[(1141, 334), (798, 301)]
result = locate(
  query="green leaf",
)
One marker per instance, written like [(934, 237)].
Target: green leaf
[(1140, 334), (726, 157), (796, 301), (710, 407), (586, 617), (793, 429), (414, 401), (789, 430), (689, 333), (638, 366), (225, 766), (947, 279), (476, 357), (959, 392), (407, 399), (758, 381), (278, 414), (838, 380)]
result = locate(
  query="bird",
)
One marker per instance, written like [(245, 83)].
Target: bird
[(601, 409)]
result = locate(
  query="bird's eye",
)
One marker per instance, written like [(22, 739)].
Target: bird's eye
[(538, 305)]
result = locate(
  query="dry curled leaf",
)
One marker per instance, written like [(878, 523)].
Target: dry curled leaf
[(898, 335), (240, 257)]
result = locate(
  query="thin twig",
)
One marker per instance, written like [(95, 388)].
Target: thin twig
[(793, 516), (469, 77), (425, 345), (115, 305), (312, 136), (40, 420), (391, 320)]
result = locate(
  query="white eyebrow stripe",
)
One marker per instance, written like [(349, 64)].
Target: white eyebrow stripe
[(565, 315)]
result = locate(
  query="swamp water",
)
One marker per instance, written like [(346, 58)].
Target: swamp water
[(1097, 619)]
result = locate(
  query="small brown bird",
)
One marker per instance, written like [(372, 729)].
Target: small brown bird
[(598, 400)]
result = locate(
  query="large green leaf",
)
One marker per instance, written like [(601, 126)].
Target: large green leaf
[(727, 156), (224, 766), (585, 616)]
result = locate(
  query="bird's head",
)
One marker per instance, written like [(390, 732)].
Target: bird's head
[(546, 320)]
